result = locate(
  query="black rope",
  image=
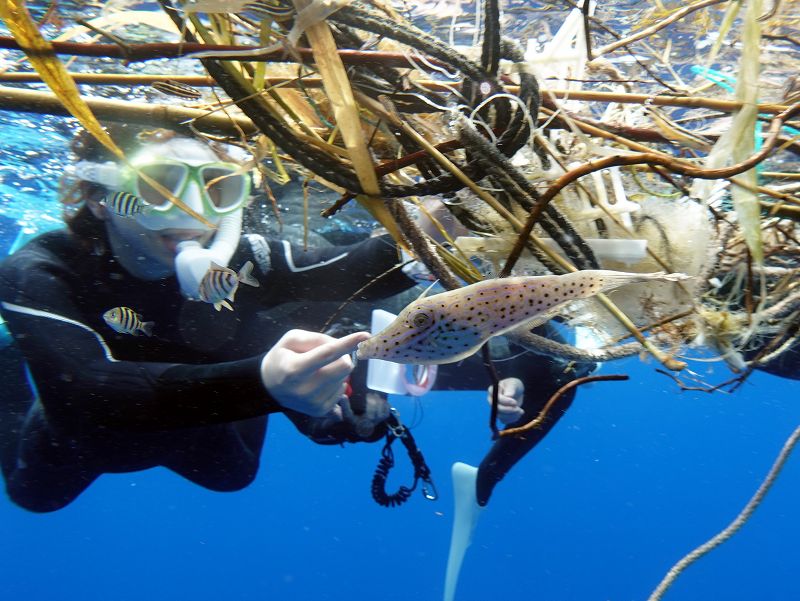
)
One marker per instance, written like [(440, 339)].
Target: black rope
[(386, 463)]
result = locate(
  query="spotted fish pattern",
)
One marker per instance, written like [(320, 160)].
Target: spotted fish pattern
[(450, 326)]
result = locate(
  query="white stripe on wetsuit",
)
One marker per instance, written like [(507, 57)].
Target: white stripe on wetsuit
[(61, 318), (287, 252)]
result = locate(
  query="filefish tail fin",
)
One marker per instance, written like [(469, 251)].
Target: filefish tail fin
[(147, 327), (246, 275), (615, 279)]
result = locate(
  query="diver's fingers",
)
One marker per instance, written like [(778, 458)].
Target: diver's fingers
[(329, 352), (325, 399), (509, 409), (302, 341), (507, 405), (509, 417), (509, 400), (344, 410), (512, 387), (285, 376)]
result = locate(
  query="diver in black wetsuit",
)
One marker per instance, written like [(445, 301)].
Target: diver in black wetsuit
[(193, 397)]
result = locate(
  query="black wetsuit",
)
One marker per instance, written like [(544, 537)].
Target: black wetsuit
[(190, 397)]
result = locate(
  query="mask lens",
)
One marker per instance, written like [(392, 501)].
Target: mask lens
[(171, 177), (224, 186)]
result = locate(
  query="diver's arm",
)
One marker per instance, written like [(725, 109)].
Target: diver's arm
[(82, 385), (336, 272)]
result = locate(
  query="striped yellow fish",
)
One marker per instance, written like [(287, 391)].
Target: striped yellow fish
[(219, 284), (450, 326), (125, 204), (127, 321), (176, 88)]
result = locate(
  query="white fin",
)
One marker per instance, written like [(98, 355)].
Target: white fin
[(427, 290), (147, 327), (465, 518), (245, 275), (218, 306)]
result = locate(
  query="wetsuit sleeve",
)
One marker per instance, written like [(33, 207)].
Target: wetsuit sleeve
[(370, 267), (81, 385)]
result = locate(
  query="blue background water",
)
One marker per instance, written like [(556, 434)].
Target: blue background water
[(635, 476), (632, 478)]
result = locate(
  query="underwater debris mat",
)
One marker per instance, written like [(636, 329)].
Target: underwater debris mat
[(585, 149)]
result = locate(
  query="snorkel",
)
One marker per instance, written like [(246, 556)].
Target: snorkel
[(193, 260)]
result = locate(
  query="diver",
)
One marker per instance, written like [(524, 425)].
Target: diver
[(127, 372), (146, 336)]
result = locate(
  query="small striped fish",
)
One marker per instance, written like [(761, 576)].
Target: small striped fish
[(125, 204), (450, 326), (176, 88), (219, 284), (127, 321)]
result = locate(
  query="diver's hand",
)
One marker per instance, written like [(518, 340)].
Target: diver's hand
[(306, 371), (376, 411), (509, 401)]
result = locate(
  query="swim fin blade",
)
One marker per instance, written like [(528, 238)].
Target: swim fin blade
[(465, 519)]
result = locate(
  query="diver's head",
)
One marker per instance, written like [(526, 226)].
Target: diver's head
[(136, 199)]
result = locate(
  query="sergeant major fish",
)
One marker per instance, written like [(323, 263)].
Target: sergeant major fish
[(219, 284), (450, 326), (127, 321), (125, 204)]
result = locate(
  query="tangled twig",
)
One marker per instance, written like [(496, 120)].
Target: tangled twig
[(539, 419)]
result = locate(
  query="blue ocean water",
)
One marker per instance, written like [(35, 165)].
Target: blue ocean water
[(635, 475)]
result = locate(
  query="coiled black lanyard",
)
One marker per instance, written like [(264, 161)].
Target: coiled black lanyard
[(421, 470)]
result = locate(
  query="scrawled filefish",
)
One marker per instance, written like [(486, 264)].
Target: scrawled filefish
[(125, 204), (219, 284), (450, 326), (127, 321)]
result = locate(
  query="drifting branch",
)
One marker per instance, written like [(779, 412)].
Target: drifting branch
[(539, 419)]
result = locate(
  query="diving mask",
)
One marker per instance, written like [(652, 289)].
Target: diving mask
[(212, 189)]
